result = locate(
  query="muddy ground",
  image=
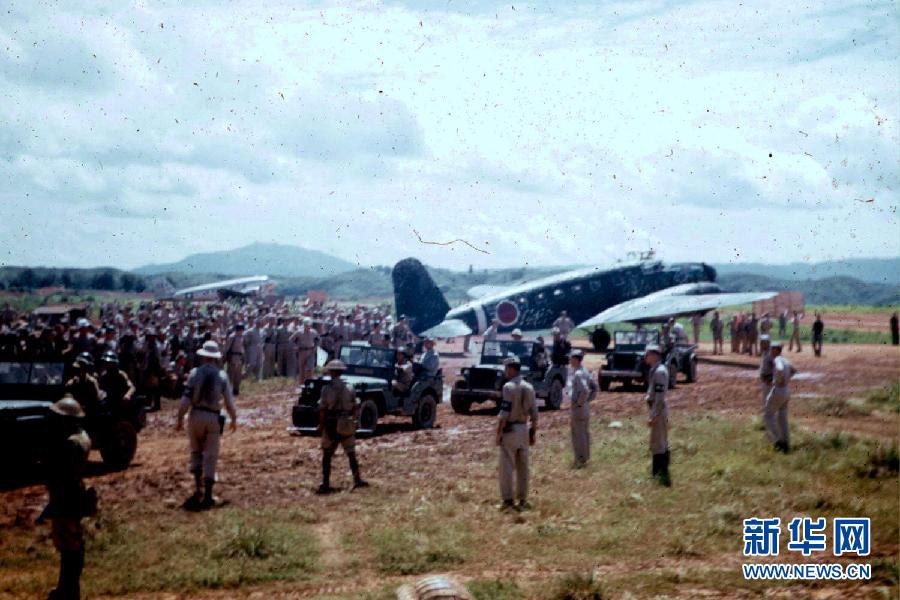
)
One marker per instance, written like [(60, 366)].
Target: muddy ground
[(262, 465)]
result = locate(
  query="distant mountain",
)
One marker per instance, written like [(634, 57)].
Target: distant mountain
[(830, 290), (873, 270), (277, 260)]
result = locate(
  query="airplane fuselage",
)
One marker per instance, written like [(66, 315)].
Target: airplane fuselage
[(582, 294)]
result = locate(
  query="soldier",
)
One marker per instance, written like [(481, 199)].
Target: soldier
[(69, 500), (795, 331), (269, 350), (404, 375), (564, 324), (113, 382), (659, 414), (734, 327), (400, 334), (818, 335), (341, 333), (151, 368), (782, 323), (253, 350), (559, 355), (776, 414), (895, 330), (765, 325), (766, 368), (431, 360), (83, 386), (283, 348), (376, 335), (338, 412), (490, 334), (583, 389), (696, 324), (514, 437), (753, 341), (717, 328), (516, 335), (234, 358), (206, 390), (306, 340)]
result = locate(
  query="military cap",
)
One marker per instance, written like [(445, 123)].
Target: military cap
[(579, 354), (512, 360), (516, 331), (67, 406), (110, 357), (307, 321), (335, 365), (777, 344), (240, 326), (653, 348), (82, 323), (555, 330)]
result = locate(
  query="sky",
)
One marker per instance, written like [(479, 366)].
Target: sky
[(539, 134)]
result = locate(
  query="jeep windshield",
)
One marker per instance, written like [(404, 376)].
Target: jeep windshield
[(26, 373), (636, 340), (495, 352), (368, 357)]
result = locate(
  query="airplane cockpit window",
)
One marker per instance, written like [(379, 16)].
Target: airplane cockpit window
[(559, 293), (595, 285)]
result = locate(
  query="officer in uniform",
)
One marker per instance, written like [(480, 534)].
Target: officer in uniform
[(696, 324), (766, 368), (490, 334), (269, 350), (253, 350), (404, 375), (283, 348), (516, 335), (514, 436), (659, 414), (776, 414), (583, 389), (69, 501), (234, 358), (306, 340), (564, 324), (431, 360), (338, 410), (206, 390)]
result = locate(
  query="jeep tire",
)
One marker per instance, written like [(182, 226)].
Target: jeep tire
[(368, 416), (426, 412), (554, 395), (460, 404)]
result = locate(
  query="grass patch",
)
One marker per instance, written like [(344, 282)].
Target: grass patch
[(413, 550), (495, 589), (886, 398), (576, 586), (839, 407)]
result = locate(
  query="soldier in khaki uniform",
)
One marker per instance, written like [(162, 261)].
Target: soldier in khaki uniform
[(583, 389), (659, 414), (338, 410), (69, 501), (776, 411), (306, 339), (514, 436), (234, 358), (766, 368), (206, 389)]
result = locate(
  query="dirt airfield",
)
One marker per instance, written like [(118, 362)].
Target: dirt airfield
[(421, 477)]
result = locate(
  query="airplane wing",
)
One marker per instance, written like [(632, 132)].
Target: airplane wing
[(447, 329), (663, 307), (480, 291)]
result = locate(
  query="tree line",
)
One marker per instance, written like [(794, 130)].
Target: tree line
[(26, 279)]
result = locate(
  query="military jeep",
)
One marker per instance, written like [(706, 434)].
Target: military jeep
[(27, 389), (371, 371), (625, 362), (484, 381)]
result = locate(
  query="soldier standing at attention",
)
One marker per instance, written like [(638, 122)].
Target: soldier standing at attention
[(306, 340), (564, 324), (514, 437), (717, 328), (206, 390), (795, 331), (766, 368), (659, 414), (269, 350), (431, 360), (282, 347), (777, 403), (818, 335), (733, 328), (583, 390), (234, 358), (253, 350), (782, 323), (338, 410), (696, 324)]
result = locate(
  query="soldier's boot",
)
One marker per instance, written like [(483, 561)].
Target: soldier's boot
[(664, 478), (326, 488), (208, 501), (71, 563), (655, 468), (358, 481), (193, 502)]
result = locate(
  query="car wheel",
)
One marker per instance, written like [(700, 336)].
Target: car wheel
[(692, 370), (554, 396), (604, 384), (119, 446), (460, 405), (426, 412), (368, 416)]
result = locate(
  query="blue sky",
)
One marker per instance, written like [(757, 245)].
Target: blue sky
[(550, 133)]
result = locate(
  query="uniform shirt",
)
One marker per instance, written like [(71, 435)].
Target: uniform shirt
[(766, 367), (431, 362), (252, 339), (282, 336), (716, 327), (765, 326), (85, 390), (583, 386), (490, 334), (306, 340), (235, 345), (656, 392), (784, 371), (65, 468), (337, 397), (404, 375), (518, 404), (564, 324), (115, 384), (209, 397)]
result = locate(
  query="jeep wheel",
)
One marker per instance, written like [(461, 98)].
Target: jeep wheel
[(368, 416), (119, 446), (460, 405), (604, 384), (555, 396), (426, 412), (692, 370)]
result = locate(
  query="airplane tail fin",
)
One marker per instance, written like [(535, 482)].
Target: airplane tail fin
[(417, 296)]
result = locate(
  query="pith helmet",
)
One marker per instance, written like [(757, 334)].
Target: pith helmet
[(653, 348), (512, 360), (335, 365), (67, 406)]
